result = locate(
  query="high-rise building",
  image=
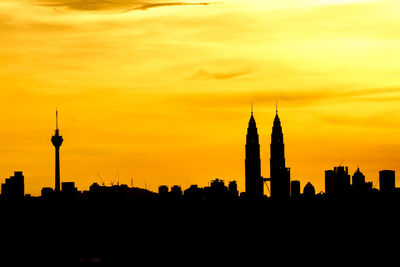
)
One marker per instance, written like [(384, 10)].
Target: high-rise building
[(386, 181), (280, 175), (57, 141), (337, 181), (254, 186), (359, 185), (358, 180)]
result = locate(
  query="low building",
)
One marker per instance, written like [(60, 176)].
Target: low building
[(13, 188)]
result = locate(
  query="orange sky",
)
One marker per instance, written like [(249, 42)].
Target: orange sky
[(160, 91)]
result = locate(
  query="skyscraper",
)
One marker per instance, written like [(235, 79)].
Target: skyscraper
[(253, 180), (337, 181), (57, 141), (358, 180), (387, 181), (359, 185), (280, 175)]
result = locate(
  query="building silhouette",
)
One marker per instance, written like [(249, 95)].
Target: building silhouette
[(295, 189), (13, 188), (69, 190), (102, 193), (57, 141), (337, 181), (358, 183), (309, 191), (233, 190), (47, 193), (254, 186), (193, 193), (176, 192), (386, 181), (163, 191), (280, 175), (358, 180)]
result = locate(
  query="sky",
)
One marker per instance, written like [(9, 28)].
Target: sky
[(156, 93)]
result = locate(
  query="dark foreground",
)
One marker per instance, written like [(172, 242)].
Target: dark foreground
[(84, 233)]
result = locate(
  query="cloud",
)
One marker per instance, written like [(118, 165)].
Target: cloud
[(292, 98), (203, 74), (114, 5), (147, 6), (381, 119)]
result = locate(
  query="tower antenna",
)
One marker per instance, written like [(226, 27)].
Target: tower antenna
[(251, 107), (56, 119), (276, 104)]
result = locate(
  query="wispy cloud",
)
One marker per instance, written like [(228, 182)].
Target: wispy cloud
[(204, 74), (294, 98), (147, 6), (114, 5)]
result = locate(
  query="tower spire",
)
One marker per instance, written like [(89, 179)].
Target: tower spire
[(251, 107), (276, 106), (56, 119)]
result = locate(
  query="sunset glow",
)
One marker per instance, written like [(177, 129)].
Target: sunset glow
[(160, 91)]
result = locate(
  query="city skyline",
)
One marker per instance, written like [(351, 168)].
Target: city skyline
[(340, 185), (168, 100), (199, 132), (279, 184)]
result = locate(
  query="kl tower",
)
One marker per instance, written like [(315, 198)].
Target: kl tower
[(57, 141)]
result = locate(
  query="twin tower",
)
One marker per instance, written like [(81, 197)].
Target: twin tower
[(279, 174)]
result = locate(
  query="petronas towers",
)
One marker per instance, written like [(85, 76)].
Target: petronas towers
[(279, 174)]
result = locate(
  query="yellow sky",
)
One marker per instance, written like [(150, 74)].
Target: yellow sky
[(160, 91)]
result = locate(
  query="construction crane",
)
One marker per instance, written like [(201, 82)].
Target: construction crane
[(101, 180)]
